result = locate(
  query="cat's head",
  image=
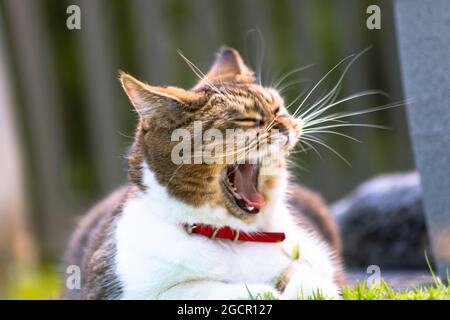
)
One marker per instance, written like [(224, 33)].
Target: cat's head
[(237, 133)]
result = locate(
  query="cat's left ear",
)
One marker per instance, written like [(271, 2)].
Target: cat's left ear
[(228, 66), (157, 101)]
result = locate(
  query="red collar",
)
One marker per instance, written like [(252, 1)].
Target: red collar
[(233, 234)]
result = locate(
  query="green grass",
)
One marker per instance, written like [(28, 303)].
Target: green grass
[(45, 283), (381, 291), (384, 291), (40, 284)]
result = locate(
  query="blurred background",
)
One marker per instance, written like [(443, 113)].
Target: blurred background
[(65, 123)]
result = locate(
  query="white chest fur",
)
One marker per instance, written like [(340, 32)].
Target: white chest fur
[(155, 254)]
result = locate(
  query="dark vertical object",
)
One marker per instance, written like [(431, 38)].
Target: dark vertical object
[(153, 41), (391, 76), (302, 35), (100, 82), (257, 25), (306, 47), (424, 42), (352, 38), (206, 27)]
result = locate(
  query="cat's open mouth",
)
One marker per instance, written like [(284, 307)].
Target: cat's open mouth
[(241, 184)]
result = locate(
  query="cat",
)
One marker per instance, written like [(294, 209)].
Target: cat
[(207, 231)]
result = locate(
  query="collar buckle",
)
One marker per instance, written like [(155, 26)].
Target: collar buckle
[(190, 228)]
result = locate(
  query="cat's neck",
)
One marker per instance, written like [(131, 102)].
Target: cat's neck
[(160, 203)]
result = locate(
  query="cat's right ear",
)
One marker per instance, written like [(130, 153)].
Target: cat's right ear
[(156, 101)]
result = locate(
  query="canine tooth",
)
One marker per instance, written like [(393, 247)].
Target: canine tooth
[(250, 208), (237, 195)]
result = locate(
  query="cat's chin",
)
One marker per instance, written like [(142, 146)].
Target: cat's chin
[(239, 183)]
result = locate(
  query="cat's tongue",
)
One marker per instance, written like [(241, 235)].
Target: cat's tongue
[(245, 183)]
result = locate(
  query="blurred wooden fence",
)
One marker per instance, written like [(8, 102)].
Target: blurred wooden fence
[(16, 246), (75, 123)]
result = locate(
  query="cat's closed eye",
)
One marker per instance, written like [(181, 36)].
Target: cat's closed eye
[(249, 121)]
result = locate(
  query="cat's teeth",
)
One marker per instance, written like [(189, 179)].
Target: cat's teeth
[(250, 208), (237, 195)]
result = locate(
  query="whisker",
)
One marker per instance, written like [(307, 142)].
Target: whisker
[(291, 83), (342, 115), (296, 99), (325, 99), (272, 123), (295, 164), (353, 125), (260, 50), (199, 73), (308, 133), (347, 67), (296, 70), (319, 82), (319, 141), (174, 173), (312, 147), (318, 112)]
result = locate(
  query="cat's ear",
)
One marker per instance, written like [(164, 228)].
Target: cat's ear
[(228, 65), (153, 101)]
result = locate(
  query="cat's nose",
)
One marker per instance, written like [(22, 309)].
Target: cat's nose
[(283, 129)]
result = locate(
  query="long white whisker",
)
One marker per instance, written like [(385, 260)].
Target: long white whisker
[(317, 140), (295, 100), (342, 115), (353, 125), (310, 133), (291, 83), (328, 98), (313, 148), (199, 73), (348, 98), (347, 67), (174, 173), (317, 84), (291, 73), (323, 100)]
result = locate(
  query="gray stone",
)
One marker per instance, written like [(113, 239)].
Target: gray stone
[(382, 223)]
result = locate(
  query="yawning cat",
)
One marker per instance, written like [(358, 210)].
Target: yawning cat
[(202, 230)]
